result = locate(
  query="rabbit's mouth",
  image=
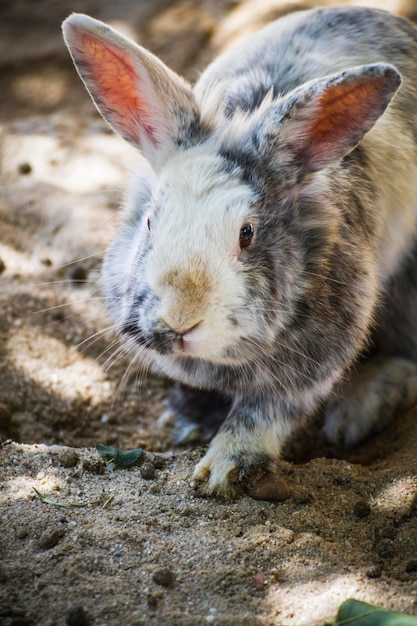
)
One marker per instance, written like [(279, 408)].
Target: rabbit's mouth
[(194, 344)]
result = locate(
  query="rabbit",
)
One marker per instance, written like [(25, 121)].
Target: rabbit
[(266, 259)]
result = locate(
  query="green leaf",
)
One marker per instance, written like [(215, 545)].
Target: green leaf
[(122, 458), (356, 613)]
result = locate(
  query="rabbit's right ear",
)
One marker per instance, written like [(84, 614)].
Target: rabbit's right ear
[(141, 98), (320, 122)]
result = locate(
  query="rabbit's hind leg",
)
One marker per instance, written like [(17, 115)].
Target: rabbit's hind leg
[(197, 414), (378, 390)]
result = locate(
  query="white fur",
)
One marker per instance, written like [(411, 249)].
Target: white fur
[(201, 212), (219, 467)]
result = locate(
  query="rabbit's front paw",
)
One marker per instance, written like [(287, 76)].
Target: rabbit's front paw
[(231, 468)]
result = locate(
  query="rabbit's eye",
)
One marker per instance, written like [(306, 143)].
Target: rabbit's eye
[(246, 235), (149, 223)]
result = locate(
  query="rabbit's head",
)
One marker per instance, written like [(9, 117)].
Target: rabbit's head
[(230, 212)]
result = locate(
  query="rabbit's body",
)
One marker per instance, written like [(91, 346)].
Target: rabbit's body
[(278, 238)]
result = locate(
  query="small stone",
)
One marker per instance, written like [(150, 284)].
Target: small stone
[(21, 533), (2, 266), (342, 481), (375, 571), (94, 466), (158, 461), (259, 581), (411, 566), (68, 457), (24, 168), (164, 577), (387, 532), (361, 509), (303, 497), (147, 470), (78, 275), (46, 262), (118, 553), (270, 487), (49, 538), (77, 617), (154, 598), (385, 549)]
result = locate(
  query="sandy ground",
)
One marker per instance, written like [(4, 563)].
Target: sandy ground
[(143, 548)]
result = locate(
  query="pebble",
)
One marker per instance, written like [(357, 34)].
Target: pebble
[(375, 571), (259, 581), (94, 466), (2, 266), (49, 538), (153, 598), (21, 533), (303, 497), (411, 566), (68, 457), (147, 470), (77, 617), (270, 487), (387, 532), (361, 509), (164, 577), (385, 549), (158, 461)]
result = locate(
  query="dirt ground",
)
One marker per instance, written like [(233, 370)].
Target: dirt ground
[(143, 548)]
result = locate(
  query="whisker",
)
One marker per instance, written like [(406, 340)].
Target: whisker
[(325, 277), (64, 304), (84, 258), (70, 281), (92, 339), (117, 355)]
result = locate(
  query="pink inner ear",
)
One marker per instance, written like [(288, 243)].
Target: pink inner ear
[(343, 109), (340, 118), (115, 82)]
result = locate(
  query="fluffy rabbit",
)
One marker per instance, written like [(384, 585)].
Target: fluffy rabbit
[(267, 258)]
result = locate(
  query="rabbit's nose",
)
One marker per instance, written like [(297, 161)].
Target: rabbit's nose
[(180, 329)]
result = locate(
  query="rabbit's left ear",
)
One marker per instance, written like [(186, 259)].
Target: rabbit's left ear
[(321, 122), (141, 98)]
